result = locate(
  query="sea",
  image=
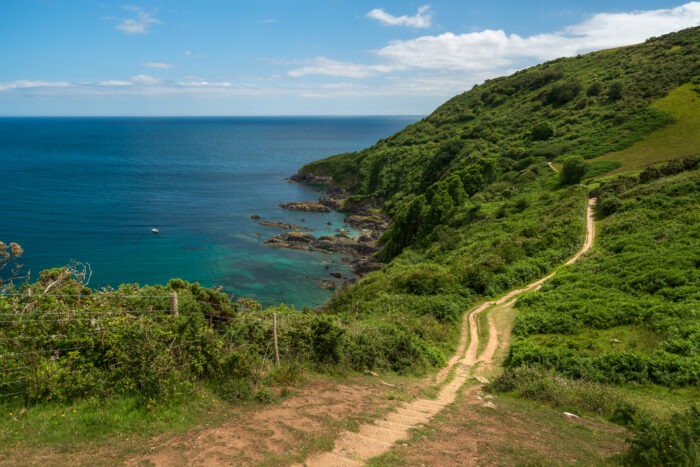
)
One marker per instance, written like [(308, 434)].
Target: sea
[(91, 190)]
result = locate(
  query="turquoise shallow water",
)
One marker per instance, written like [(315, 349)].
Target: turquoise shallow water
[(91, 189)]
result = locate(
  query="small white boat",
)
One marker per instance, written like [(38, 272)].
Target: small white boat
[(154, 230)]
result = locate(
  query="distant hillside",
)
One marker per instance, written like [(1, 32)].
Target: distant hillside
[(588, 105)]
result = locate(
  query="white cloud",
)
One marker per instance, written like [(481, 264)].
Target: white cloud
[(491, 49), (146, 80), (493, 52), (158, 65), (138, 25), (422, 19)]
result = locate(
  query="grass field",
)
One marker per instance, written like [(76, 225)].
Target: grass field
[(681, 138)]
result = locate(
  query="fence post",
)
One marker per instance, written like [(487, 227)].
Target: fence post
[(274, 336), (173, 304)]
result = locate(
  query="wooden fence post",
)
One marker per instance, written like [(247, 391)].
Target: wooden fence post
[(274, 336), (173, 304)]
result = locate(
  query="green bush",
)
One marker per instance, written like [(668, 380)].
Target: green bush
[(573, 170), (674, 442), (542, 132), (609, 205)]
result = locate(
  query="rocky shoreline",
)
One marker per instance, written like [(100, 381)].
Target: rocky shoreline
[(360, 252)]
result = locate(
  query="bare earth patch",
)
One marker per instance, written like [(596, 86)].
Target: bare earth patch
[(277, 433)]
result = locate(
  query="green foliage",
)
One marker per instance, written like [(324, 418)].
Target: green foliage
[(609, 205), (673, 442), (615, 91), (562, 92), (542, 132), (573, 170), (326, 341), (629, 313)]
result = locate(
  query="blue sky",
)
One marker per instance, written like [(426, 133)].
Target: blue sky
[(302, 57)]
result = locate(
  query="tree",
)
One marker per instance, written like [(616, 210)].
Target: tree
[(573, 170)]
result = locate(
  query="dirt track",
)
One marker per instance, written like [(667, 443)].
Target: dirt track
[(373, 439)]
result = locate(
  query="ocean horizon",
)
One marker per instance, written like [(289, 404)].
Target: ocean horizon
[(91, 189)]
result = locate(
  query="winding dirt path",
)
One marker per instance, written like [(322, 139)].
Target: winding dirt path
[(374, 439)]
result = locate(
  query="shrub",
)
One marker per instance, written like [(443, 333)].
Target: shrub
[(542, 132), (673, 442), (561, 93), (423, 282), (573, 170), (609, 205), (594, 89), (327, 340), (615, 91)]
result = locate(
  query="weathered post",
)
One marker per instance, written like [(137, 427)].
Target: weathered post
[(274, 337), (173, 304)]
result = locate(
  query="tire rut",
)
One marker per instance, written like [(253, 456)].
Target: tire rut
[(374, 439)]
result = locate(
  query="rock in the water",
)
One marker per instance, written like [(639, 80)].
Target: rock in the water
[(254, 216), (305, 206), (311, 179), (285, 225), (337, 275), (326, 284)]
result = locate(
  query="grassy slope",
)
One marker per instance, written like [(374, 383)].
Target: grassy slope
[(680, 138)]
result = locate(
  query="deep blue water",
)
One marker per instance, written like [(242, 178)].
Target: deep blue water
[(91, 189)]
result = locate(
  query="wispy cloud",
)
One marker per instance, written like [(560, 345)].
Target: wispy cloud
[(24, 84), (139, 24), (422, 18), (139, 85), (158, 65), (326, 66)]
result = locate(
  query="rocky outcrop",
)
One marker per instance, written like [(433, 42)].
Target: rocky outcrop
[(325, 244), (360, 251), (311, 179), (305, 206), (285, 225), (369, 221), (335, 204)]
